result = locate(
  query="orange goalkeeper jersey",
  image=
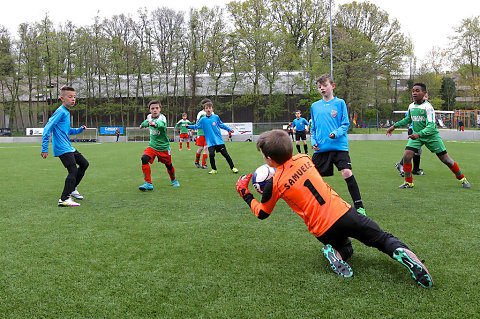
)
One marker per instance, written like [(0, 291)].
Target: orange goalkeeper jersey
[(299, 184)]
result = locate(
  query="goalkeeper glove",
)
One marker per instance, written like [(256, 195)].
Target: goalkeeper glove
[(242, 185)]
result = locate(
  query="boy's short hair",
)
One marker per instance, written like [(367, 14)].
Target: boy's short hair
[(205, 100), (324, 78), (65, 89), (298, 111), (275, 144), (422, 85), (209, 103), (154, 102), (184, 114)]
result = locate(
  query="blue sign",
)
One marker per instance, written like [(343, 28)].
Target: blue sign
[(110, 130)]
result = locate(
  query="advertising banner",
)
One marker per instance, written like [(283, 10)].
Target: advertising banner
[(31, 131), (110, 130)]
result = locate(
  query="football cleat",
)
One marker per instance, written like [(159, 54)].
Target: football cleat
[(417, 269), (419, 172), (338, 266), (197, 165), (234, 170), (189, 149), (67, 203), (362, 211), (175, 183), (203, 166), (76, 194), (465, 183), (213, 171), (400, 169), (146, 187), (406, 185)]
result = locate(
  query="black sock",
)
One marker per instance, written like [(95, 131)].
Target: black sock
[(298, 148), (416, 163), (306, 148), (354, 192)]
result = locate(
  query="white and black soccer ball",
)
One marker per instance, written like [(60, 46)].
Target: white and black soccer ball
[(260, 177)]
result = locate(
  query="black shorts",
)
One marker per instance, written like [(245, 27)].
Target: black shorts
[(324, 161), (73, 158), (300, 135)]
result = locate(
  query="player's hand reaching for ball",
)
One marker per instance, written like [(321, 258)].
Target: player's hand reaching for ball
[(242, 184)]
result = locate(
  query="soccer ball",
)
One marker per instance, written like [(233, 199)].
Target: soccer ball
[(260, 177)]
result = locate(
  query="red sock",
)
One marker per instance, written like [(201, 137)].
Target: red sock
[(204, 159), (456, 170), (407, 168), (171, 172), (147, 173), (188, 144), (197, 158), (180, 145)]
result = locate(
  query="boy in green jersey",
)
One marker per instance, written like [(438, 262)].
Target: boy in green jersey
[(422, 115), (159, 146), (184, 130)]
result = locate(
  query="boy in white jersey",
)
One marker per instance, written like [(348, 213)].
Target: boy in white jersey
[(422, 115)]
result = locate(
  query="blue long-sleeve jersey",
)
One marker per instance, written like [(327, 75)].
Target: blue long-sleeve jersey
[(299, 124), (59, 125), (211, 126), (330, 117)]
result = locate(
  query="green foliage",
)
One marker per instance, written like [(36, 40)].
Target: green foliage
[(197, 251)]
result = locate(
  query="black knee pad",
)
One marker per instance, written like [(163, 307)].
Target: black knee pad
[(145, 159)]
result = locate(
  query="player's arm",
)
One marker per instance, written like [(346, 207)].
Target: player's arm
[(75, 131), (223, 126), (144, 124), (261, 209), (47, 130), (196, 126), (344, 123)]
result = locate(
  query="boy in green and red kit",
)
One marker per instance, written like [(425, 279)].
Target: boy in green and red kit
[(183, 123), (159, 146), (422, 115)]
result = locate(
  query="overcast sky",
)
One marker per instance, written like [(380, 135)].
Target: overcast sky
[(429, 22)]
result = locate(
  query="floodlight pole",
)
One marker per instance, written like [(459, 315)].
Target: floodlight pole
[(331, 48)]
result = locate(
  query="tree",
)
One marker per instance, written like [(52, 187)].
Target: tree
[(448, 93)]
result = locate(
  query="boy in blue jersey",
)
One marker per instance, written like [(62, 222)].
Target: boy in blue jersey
[(300, 125), (329, 138), (59, 125), (211, 125)]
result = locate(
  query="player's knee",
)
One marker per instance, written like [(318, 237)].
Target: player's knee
[(145, 159), (169, 166), (346, 173), (72, 171)]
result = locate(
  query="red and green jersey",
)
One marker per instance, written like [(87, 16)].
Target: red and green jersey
[(183, 125), (423, 119), (158, 134)]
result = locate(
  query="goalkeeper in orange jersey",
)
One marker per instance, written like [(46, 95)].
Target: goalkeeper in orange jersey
[(328, 217)]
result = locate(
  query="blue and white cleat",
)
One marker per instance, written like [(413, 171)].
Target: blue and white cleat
[(146, 187), (175, 183)]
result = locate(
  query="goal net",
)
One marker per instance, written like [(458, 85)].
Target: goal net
[(135, 134), (88, 135)]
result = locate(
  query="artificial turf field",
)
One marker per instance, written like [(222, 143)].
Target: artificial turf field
[(197, 251)]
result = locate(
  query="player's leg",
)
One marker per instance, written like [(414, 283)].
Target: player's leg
[(337, 250), (146, 159), (297, 141), (223, 151), (68, 161), (407, 167), (211, 153), (305, 147), (204, 157), (82, 167), (343, 163), (364, 229), (453, 166), (166, 158), (416, 170)]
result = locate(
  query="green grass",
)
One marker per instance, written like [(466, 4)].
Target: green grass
[(198, 252)]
